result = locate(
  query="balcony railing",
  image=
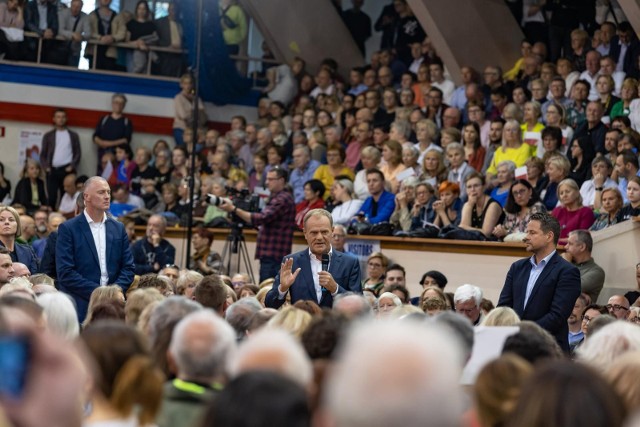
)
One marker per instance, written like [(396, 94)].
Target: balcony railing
[(245, 63)]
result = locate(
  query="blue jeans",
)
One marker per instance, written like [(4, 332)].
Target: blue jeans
[(269, 268), (177, 136)]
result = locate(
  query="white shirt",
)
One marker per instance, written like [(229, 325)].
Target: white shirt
[(593, 93), (68, 203), (63, 154), (447, 87), (588, 191), (536, 271), (316, 267), (99, 233)]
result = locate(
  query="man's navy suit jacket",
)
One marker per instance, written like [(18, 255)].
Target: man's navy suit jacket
[(77, 259), (344, 268), (552, 299)]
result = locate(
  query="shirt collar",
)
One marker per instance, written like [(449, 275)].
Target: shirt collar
[(544, 261), (91, 221), (313, 257)]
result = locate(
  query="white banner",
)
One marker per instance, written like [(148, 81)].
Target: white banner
[(30, 145), (362, 249)]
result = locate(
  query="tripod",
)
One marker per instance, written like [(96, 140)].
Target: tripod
[(236, 244)]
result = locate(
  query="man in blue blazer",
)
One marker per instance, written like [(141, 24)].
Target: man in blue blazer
[(543, 288), (92, 249), (302, 275)]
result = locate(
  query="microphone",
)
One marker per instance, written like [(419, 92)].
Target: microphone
[(325, 266), (325, 262)]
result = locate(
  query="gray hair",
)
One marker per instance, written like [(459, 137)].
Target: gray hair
[(422, 391), (238, 134), (410, 147), (454, 146), (287, 357), (467, 293), (304, 148), (239, 315), (61, 315), (373, 152), (403, 127), (342, 302), (609, 343), (393, 297), (346, 184), (201, 345), (317, 213), (462, 329), (509, 164), (583, 237), (168, 312)]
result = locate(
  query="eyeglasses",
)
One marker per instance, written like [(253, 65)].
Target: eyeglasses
[(615, 307), (171, 266), (465, 310), (586, 319), (519, 193)]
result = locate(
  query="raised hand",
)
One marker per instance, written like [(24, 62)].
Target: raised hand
[(287, 277)]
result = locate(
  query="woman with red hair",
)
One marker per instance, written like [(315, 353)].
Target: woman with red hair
[(449, 207)]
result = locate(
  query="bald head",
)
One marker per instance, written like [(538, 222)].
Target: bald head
[(20, 270)]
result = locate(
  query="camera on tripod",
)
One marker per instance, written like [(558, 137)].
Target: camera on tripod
[(242, 199)]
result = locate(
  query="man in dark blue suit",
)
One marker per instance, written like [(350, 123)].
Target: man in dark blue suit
[(92, 249), (303, 274), (543, 288)]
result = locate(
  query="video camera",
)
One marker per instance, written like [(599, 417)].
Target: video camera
[(242, 199)]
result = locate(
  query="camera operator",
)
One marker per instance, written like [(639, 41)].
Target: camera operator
[(275, 223)]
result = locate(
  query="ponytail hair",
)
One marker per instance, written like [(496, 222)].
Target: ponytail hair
[(138, 384)]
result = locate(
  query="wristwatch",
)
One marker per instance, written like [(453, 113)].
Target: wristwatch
[(599, 188)]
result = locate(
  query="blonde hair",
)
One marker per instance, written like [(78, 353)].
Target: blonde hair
[(99, 296), (571, 184), (292, 320), (497, 388), (137, 301), (623, 374), (501, 316), (16, 215)]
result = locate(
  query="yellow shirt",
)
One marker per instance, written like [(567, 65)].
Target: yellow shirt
[(532, 137), (519, 156), (323, 173)]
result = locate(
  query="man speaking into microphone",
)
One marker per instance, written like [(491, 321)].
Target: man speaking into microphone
[(318, 273)]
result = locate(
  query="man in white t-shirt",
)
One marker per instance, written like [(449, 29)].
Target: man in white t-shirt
[(436, 69), (60, 155)]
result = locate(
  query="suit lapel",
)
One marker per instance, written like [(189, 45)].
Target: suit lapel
[(109, 231), (335, 263), (543, 276), (86, 232), (521, 288)]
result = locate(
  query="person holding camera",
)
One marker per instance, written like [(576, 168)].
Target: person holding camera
[(275, 223)]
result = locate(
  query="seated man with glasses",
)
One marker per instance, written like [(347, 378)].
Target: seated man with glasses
[(154, 251), (618, 306)]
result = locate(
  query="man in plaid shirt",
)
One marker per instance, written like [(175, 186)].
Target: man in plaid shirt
[(275, 223)]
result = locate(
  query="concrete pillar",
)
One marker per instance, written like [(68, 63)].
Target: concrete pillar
[(470, 32), (310, 30), (631, 9)]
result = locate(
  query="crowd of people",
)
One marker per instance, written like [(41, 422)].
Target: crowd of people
[(544, 154), (181, 348)]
